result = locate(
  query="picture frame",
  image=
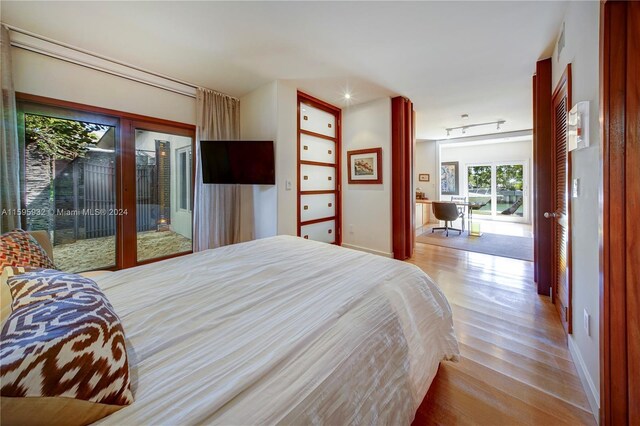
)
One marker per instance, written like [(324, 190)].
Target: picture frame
[(424, 177), (449, 178), (365, 166)]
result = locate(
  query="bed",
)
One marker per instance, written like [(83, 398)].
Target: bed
[(279, 330)]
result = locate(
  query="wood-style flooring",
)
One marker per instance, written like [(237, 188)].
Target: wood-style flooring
[(515, 367)]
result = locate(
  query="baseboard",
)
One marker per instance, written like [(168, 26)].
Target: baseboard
[(593, 394), (368, 250)]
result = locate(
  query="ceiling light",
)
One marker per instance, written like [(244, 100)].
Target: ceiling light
[(347, 95), (463, 129), (465, 116)]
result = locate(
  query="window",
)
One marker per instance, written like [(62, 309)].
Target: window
[(184, 178), (113, 190)]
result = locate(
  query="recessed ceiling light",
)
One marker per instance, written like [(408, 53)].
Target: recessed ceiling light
[(465, 116), (347, 95)]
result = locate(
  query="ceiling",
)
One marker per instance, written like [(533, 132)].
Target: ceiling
[(449, 58)]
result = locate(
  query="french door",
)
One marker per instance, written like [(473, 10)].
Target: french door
[(499, 190), (113, 190), (319, 211)]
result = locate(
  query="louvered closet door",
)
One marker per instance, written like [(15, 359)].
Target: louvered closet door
[(318, 170), (561, 212)]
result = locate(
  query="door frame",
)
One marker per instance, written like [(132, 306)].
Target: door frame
[(542, 177), (337, 113), (618, 230)]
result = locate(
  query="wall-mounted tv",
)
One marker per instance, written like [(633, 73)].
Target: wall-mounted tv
[(239, 162)]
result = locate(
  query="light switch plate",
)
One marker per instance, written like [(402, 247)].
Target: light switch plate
[(575, 188), (287, 185)]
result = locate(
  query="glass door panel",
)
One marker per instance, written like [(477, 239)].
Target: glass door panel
[(510, 200), (479, 189), (70, 191), (317, 178), (163, 194), (318, 206), (317, 121), (321, 231), (317, 149)]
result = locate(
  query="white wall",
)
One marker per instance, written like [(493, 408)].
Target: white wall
[(366, 209), (258, 121), (270, 113), (426, 161), (287, 157), (520, 151), (44, 76), (582, 51)]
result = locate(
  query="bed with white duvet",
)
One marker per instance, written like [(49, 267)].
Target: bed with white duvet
[(279, 330)]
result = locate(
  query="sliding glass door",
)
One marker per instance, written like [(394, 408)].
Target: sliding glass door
[(480, 189), (68, 184), (111, 189), (498, 190), (163, 194), (510, 185)]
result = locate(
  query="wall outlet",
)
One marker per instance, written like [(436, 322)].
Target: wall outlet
[(351, 229), (586, 323)]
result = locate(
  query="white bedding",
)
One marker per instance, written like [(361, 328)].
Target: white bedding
[(279, 330)]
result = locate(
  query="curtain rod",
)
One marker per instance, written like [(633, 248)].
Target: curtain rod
[(108, 59)]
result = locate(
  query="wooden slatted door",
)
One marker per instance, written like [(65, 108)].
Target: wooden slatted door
[(561, 104), (318, 170)]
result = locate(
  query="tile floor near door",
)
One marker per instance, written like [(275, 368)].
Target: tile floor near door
[(515, 367)]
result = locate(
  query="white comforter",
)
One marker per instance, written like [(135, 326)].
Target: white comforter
[(279, 330)]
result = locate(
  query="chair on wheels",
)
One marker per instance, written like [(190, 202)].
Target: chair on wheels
[(448, 212), (459, 199)]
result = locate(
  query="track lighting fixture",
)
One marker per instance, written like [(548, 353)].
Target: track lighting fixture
[(464, 128)]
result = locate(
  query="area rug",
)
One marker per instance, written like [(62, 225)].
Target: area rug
[(495, 244)]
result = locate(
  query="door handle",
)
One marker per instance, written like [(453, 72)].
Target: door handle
[(551, 215)]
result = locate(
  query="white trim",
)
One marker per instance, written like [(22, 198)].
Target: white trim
[(379, 253), (593, 394)]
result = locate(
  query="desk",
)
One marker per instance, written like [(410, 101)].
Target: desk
[(425, 208)]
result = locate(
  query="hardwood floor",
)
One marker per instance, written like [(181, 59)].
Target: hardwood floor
[(515, 367)]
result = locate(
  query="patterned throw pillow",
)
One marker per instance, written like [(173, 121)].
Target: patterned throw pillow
[(18, 248), (63, 351), (7, 299)]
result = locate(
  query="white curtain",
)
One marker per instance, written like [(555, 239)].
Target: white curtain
[(223, 214), (9, 148)]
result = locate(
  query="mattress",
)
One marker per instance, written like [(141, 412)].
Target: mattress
[(279, 330)]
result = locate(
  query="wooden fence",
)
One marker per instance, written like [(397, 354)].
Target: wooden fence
[(99, 195)]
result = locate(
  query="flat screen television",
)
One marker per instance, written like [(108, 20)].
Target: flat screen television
[(239, 162)]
